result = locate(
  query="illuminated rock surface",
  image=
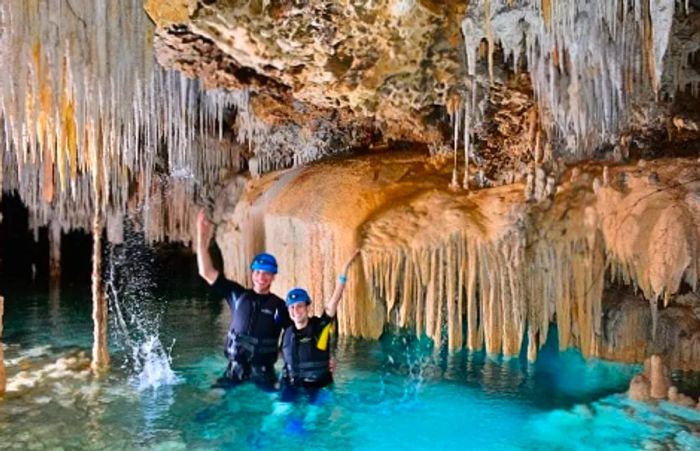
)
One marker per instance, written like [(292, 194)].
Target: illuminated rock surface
[(433, 257)]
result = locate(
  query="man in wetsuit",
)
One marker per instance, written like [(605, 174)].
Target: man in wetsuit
[(257, 316), (305, 343)]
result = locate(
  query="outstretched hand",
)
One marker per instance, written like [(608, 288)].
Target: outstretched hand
[(332, 303), (349, 262), (204, 227)]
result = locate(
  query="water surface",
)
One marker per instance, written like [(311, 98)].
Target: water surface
[(397, 393)]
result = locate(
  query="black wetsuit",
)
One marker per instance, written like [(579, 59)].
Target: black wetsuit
[(252, 343), (306, 355)]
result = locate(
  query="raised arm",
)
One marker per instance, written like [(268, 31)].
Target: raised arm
[(204, 263), (332, 304)]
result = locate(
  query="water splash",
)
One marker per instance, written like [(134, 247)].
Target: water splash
[(136, 313), (412, 357), (153, 364)]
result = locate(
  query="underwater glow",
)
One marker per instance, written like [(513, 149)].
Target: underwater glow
[(393, 393)]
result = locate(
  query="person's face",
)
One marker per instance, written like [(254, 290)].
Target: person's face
[(262, 280), (299, 312)]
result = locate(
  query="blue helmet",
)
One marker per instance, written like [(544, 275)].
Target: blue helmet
[(264, 262), (298, 295)]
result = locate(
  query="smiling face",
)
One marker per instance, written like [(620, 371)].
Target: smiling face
[(262, 281), (299, 313)]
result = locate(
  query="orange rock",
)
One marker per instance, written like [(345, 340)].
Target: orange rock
[(167, 13), (639, 389), (660, 382)]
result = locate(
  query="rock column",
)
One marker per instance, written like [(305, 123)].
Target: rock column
[(100, 356), (3, 374), (54, 255)]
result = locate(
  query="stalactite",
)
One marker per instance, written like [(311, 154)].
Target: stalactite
[(424, 251), (488, 29), (454, 111), (71, 89), (463, 112), (585, 100)]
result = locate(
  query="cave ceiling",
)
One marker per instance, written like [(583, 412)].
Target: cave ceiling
[(527, 79)]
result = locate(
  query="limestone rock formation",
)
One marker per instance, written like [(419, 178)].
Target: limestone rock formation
[(679, 398), (486, 155), (628, 329), (654, 384), (393, 60), (657, 372), (436, 260), (500, 86), (512, 76), (639, 389)]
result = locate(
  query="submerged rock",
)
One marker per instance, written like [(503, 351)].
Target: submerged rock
[(679, 398)]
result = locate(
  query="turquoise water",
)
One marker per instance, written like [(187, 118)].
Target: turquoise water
[(397, 393)]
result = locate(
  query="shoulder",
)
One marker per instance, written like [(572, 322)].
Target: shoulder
[(272, 297), (272, 301), (225, 287)]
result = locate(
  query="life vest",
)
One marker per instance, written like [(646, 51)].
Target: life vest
[(305, 352), (254, 326)]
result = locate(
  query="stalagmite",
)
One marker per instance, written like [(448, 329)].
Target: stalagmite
[(679, 398), (654, 384), (3, 374), (640, 388), (660, 381)]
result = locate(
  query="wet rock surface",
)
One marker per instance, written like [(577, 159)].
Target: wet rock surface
[(629, 336)]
